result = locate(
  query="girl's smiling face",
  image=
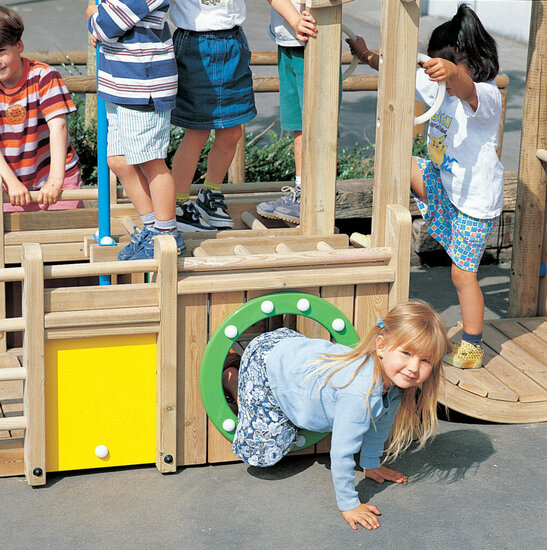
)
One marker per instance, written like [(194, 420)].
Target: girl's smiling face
[(402, 366)]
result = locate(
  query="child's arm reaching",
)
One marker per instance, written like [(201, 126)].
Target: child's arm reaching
[(303, 23), (359, 48), (58, 140), (457, 78)]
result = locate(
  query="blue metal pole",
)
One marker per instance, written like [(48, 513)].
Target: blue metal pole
[(103, 236)]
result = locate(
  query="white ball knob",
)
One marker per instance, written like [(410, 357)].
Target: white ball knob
[(107, 241), (101, 451), (267, 306), (300, 441), (230, 331), (303, 304), (229, 425), (338, 325)]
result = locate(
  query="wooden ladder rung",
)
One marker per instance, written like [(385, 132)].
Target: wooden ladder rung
[(541, 154), (251, 221), (282, 248), (13, 423), (13, 373), (240, 250), (14, 324), (322, 245)]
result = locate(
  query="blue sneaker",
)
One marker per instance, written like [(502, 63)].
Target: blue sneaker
[(145, 250), (138, 234), (290, 212), (267, 209)]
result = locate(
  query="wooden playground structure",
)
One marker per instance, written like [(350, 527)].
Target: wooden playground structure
[(108, 375)]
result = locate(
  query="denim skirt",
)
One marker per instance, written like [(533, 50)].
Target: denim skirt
[(215, 85)]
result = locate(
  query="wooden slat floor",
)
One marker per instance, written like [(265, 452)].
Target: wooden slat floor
[(511, 388)]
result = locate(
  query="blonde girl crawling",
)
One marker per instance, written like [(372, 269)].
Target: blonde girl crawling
[(384, 390)]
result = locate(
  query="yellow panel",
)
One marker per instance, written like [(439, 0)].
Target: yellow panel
[(100, 391)]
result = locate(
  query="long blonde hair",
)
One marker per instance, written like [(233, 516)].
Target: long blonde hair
[(416, 327)]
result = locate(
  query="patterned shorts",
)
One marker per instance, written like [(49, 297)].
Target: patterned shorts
[(462, 236), (264, 435)]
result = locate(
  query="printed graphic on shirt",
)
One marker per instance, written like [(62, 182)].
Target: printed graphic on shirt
[(16, 113), (436, 148)]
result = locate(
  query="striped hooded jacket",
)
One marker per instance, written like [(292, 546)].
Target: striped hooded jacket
[(136, 58)]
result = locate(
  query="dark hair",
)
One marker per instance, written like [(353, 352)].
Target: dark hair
[(11, 26), (463, 39)]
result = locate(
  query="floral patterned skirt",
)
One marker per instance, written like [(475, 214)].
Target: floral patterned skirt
[(264, 435)]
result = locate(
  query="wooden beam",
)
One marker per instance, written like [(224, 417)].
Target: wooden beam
[(165, 254), (395, 114), (33, 361), (320, 120), (530, 228)]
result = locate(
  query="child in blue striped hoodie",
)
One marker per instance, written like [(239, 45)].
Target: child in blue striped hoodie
[(138, 81)]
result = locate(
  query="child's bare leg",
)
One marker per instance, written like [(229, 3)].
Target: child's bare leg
[(222, 153), (162, 188), (470, 298), (417, 182), (186, 158), (134, 183), (229, 381), (298, 152)]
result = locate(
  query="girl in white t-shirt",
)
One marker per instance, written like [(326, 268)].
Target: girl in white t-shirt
[(459, 190)]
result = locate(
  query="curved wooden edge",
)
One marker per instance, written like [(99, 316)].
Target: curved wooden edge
[(483, 408)]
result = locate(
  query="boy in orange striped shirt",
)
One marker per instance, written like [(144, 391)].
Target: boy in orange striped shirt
[(36, 153)]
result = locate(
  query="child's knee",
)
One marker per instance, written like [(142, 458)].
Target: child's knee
[(117, 164), (228, 137), (462, 278), (197, 137)]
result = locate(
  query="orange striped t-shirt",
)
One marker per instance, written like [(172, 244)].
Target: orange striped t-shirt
[(39, 96)]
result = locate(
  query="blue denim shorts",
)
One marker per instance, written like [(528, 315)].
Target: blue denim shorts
[(264, 434), (463, 237), (215, 85)]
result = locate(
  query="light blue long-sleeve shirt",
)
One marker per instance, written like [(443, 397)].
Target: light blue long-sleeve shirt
[(340, 410)]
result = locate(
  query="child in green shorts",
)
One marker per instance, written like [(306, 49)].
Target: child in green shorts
[(290, 29)]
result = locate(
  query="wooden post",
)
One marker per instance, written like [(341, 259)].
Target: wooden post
[(165, 253), (320, 118), (531, 186), (236, 172), (33, 362), (395, 114), (3, 335), (398, 233)]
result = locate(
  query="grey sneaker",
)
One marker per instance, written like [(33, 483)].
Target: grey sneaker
[(267, 209), (291, 211), (188, 218), (213, 209)]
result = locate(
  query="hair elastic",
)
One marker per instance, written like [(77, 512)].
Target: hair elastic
[(380, 323)]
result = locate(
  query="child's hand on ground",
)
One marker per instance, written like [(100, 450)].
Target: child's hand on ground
[(439, 69), (49, 193), (18, 193), (382, 474), (364, 514), (306, 27)]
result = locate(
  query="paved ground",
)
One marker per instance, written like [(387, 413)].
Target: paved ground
[(477, 486)]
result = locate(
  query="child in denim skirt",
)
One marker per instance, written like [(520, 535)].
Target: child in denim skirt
[(215, 92), (383, 390)]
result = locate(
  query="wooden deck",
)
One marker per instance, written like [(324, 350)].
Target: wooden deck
[(512, 388)]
